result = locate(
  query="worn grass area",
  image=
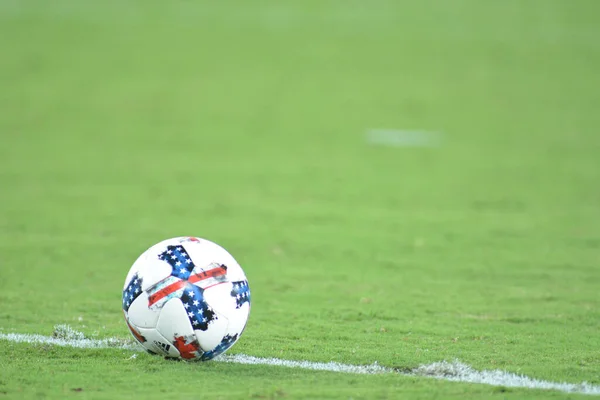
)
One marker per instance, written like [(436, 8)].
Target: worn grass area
[(123, 123)]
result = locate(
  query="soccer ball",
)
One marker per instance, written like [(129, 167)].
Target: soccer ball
[(186, 298)]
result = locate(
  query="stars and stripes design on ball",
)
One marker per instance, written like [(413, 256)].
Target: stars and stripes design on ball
[(187, 282), (225, 344), (241, 292), (179, 260), (132, 291), (174, 286), (198, 311)]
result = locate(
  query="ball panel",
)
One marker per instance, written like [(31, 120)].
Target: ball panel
[(157, 343), (153, 270), (220, 299), (140, 315), (204, 252), (174, 325), (223, 346), (231, 300), (238, 320), (211, 337), (141, 339)]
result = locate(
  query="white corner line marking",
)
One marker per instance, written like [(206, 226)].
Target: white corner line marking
[(454, 371)]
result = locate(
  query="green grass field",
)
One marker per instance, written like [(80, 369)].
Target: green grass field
[(123, 123)]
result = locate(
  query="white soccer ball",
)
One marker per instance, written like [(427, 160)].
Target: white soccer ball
[(186, 298)]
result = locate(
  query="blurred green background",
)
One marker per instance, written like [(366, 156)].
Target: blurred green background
[(126, 122)]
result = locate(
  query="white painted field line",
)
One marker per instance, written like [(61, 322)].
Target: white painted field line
[(80, 343), (454, 371), (315, 366), (403, 138)]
